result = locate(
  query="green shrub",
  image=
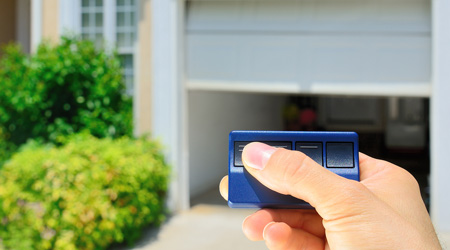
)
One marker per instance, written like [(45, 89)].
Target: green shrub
[(61, 90), (6, 148), (83, 195)]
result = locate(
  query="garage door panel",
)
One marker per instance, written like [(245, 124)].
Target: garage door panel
[(267, 57), (408, 59), (310, 46), (310, 16), (308, 58), (371, 59), (212, 57)]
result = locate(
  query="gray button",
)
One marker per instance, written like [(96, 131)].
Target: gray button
[(313, 150), (239, 147), (340, 155)]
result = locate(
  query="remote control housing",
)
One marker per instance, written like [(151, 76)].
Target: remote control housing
[(336, 151)]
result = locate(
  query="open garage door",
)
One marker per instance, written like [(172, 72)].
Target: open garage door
[(349, 47)]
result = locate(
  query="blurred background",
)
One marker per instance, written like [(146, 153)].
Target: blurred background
[(186, 73)]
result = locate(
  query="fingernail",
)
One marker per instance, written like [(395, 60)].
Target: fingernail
[(256, 155), (266, 229)]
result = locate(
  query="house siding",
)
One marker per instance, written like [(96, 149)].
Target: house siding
[(143, 89), (7, 22), (50, 20)]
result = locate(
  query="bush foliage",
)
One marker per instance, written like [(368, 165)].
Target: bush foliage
[(65, 189), (83, 195), (61, 90)]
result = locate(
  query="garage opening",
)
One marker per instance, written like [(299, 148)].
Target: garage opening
[(394, 129), (353, 65)]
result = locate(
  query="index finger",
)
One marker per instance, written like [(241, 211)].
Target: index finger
[(223, 187)]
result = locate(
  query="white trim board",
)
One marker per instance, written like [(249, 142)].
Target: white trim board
[(36, 24), (69, 17), (440, 120), (169, 95), (413, 89)]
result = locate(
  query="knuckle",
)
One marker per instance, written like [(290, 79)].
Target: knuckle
[(404, 177), (296, 168), (409, 179), (399, 175)]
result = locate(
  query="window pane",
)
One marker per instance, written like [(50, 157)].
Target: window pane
[(99, 3), (129, 84), (99, 20), (120, 19), (128, 74), (85, 3), (132, 18), (120, 2), (128, 61), (85, 20), (121, 41)]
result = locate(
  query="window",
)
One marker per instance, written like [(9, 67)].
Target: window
[(92, 20), (113, 22), (125, 38), (126, 23), (127, 64)]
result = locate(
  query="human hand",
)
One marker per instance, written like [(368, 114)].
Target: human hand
[(382, 211)]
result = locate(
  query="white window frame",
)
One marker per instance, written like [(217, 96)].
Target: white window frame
[(36, 24), (70, 18), (70, 22)]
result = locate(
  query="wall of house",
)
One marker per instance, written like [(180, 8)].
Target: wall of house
[(212, 115), (7, 21), (143, 85), (23, 24), (50, 20)]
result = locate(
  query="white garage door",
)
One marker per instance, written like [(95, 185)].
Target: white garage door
[(358, 47)]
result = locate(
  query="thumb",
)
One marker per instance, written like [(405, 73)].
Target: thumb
[(293, 173)]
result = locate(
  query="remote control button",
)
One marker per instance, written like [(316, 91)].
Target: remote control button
[(313, 150), (340, 155), (239, 147)]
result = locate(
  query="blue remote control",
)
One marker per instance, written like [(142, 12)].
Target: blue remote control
[(336, 151)]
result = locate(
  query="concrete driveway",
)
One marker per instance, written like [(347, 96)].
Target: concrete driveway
[(209, 225), (203, 227)]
